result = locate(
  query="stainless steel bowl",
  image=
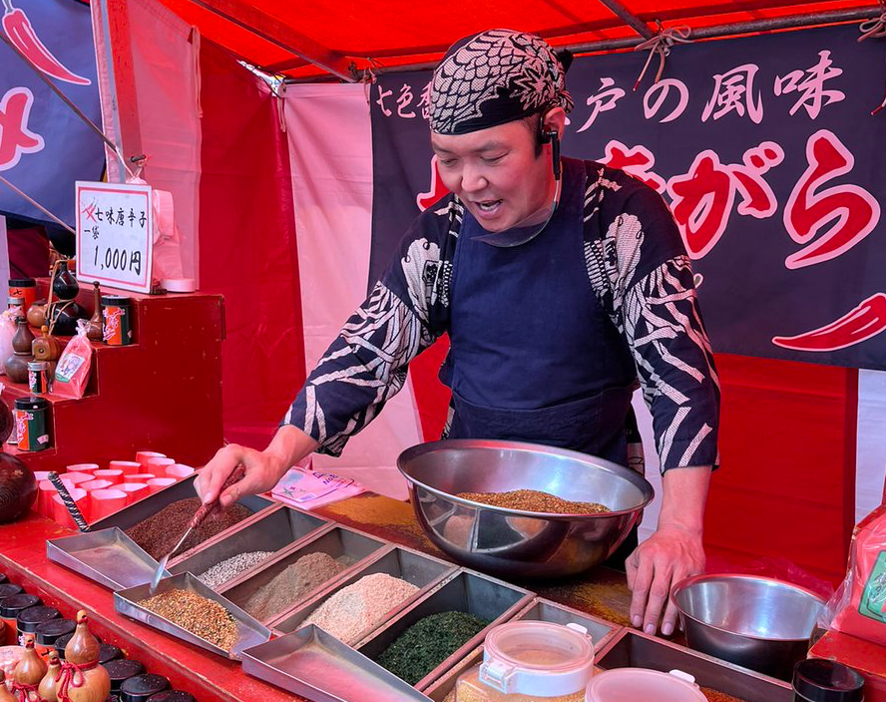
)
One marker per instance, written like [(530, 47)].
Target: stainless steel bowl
[(517, 543), (760, 623)]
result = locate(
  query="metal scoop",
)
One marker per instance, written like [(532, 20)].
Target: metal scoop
[(199, 517)]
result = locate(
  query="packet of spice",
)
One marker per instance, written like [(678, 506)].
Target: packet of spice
[(306, 489)]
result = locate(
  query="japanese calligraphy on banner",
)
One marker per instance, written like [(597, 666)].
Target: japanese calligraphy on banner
[(766, 152), (44, 146), (114, 235)]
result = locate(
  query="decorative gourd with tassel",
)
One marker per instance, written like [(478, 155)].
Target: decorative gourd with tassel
[(28, 674), (82, 678), (48, 689), (5, 694)]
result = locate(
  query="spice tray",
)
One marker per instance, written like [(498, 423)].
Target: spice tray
[(541, 610), (144, 508), (251, 632), (318, 667), (464, 591), (269, 530), (630, 648), (416, 568), (109, 557), (336, 541)]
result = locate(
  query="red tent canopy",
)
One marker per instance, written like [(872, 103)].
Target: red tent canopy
[(327, 37)]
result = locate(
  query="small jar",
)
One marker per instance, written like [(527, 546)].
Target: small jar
[(530, 660), (38, 377), (116, 320), (25, 288), (142, 687), (122, 670), (172, 696), (32, 423), (108, 653), (29, 619), (16, 305), (823, 680), (10, 608), (49, 632)]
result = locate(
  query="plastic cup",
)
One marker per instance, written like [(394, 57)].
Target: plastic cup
[(75, 477), (115, 476), (135, 491), (83, 467), (106, 502), (143, 456), (158, 465), (140, 477), (45, 492), (91, 485), (179, 470), (128, 467), (60, 514), (158, 484)]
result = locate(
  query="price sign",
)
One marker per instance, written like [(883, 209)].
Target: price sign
[(114, 235)]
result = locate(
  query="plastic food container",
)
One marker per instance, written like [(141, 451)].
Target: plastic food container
[(530, 660), (632, 684)]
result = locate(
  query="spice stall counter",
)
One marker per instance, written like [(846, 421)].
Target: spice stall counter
[(208, 677)]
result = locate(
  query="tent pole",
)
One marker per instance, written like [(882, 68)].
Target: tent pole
[(629, 18), (712, 32)]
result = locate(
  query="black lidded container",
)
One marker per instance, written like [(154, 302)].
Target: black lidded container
[(51, 631), (142, 687), (29, 619), (108, 653), (172, 696), (11, 607), (10, 589), (121, 670), (3, 578), (823, 680)]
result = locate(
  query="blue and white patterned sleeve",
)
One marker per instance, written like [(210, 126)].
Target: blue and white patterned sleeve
[(656, 309), (366, 364)]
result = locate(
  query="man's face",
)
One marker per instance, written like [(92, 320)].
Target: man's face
[(497, 174)]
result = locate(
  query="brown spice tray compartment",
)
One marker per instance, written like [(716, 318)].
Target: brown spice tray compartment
[(336, 541), (419, 569), (269, 530), (540, 609), (464, 591), (633, 649), (150, 505)]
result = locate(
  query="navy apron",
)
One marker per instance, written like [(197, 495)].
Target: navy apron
[(533, 355)]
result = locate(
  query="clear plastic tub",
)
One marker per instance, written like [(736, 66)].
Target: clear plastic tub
[(526, 661), (632, 684)]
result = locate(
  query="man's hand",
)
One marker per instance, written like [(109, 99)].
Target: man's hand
[(669, 555), (263, 468), (672, 553)]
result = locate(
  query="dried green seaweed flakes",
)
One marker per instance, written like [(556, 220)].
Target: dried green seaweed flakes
[(429, 642)]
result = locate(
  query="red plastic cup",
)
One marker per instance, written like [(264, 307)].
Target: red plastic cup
[(179, 470), (115, 476), (143, 456), (60, 514), (45, 492), (41, 475), (140, 477), (128, 467), (158, 484), (135, 491), (83, 467), (75, 477), (106, 502), (91, 485), (158, 465)]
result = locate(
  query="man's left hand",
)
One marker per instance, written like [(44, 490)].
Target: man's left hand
[(669, 555)]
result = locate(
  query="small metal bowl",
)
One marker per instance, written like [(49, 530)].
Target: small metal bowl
[(760, 623), (518, 543)]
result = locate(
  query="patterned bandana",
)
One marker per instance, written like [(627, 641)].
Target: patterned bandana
[(495, 77)]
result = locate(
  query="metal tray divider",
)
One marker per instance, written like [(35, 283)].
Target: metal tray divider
[(310, 538), (236, 528), (278, 556), (772, 689), (469, 645), (333, 587), (598, 645)]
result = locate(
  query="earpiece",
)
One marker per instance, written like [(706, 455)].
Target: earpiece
[(552, 137), (548, 135)]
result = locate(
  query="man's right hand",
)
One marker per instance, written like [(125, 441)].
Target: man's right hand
[(263, 471)]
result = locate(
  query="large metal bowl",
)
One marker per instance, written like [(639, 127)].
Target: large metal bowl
[(760, 623), (516, 543)]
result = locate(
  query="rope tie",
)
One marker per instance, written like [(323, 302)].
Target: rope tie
[(661, 44), (67, 677)]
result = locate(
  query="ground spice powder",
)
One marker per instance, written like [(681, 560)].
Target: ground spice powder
[(361, 605), (159, 533), (298, 579), (534, 501), (199, 615), (429, 642)]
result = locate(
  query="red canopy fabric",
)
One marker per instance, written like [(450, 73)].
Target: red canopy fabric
[(399, 32)]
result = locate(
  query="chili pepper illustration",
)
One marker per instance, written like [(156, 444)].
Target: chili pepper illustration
[(22, 35), (864, 321)]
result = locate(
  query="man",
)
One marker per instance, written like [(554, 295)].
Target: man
[(559, 282)]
